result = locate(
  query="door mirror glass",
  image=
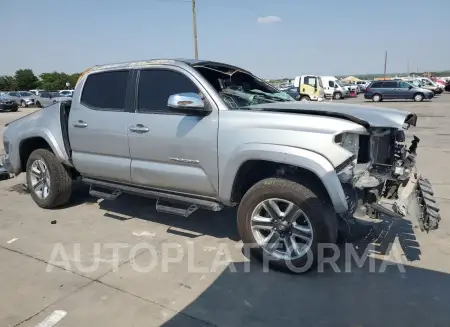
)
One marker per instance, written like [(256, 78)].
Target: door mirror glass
[(186, 101)]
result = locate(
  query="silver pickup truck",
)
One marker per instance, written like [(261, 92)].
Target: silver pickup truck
[(203, 135)]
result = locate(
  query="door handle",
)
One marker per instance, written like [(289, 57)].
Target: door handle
[(139, 128), (79, 124)]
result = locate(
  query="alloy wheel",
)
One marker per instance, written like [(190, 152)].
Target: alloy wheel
[(40, 179), (281, 229)]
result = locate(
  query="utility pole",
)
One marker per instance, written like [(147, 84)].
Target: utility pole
[(194, 22), (385, 62)]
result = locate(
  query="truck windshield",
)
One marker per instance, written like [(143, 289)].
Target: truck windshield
[(338, 83), (239, 89)]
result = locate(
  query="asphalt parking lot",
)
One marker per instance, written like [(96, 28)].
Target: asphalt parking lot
[(59, 267)]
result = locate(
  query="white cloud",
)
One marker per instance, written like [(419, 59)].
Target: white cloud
[(269, 20)]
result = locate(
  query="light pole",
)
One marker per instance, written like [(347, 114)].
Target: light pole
[(194, 23)]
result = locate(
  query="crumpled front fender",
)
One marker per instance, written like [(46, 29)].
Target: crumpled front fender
[(305, 159)]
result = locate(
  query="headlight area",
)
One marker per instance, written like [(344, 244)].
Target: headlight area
[(350, 142), (346, 170)]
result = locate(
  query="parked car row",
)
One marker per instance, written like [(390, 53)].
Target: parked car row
[(317, 88), (38, 98)]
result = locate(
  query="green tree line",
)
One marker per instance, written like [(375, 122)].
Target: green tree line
[(25, 79)]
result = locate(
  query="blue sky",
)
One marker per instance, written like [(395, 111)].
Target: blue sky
[(272, 38)]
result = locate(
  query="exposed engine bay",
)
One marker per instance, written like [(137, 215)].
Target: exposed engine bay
[(382, 174)]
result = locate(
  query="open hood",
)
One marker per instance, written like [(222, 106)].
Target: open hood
[(367, 116)]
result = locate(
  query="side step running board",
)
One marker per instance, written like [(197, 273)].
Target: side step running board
[(155, 194), (104, 195), (169, 207)]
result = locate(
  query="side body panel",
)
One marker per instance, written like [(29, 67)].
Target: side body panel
[(99, 139), (179, 152), (44, 123)]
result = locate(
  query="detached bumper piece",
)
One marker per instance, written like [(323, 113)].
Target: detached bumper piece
[(430, 217)]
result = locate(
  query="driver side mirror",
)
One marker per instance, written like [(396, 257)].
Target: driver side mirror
[(410, 87), (187, 101)]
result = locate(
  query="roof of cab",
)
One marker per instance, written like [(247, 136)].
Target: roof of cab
[(146, 63)]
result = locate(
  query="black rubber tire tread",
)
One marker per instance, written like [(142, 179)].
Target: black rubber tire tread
[(60, 180), (320, 213)]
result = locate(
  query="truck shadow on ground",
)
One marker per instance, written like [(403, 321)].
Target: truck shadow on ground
[(223, 224), (382, 290), (202, 222), (360, 296)]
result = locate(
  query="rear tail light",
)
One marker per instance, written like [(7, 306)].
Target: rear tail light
[(367, 90)]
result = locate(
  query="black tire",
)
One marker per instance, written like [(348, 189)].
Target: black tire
[(38, 104), (60, 180), (377, 97), (15, 109), (337, 96), (23, 104), (418, 97), (320, 214), (304, 98)]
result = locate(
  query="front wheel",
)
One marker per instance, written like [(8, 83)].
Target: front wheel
[(418, 97), (283, 223), (305, 98), (337, 96), (38, 104), (23, 104), (49, 182)]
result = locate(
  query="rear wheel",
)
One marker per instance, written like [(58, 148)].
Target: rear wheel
[(376, 98), (49, 182), (283, 223), (418, 97)]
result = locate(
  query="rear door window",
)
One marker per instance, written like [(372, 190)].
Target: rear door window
[(105, 90), (389, 85), (376, 85)]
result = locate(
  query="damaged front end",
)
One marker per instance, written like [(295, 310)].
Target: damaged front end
[(381, 177)]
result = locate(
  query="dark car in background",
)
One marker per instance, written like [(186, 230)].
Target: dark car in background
[(8, 103), (395, 90), (293, 92)]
